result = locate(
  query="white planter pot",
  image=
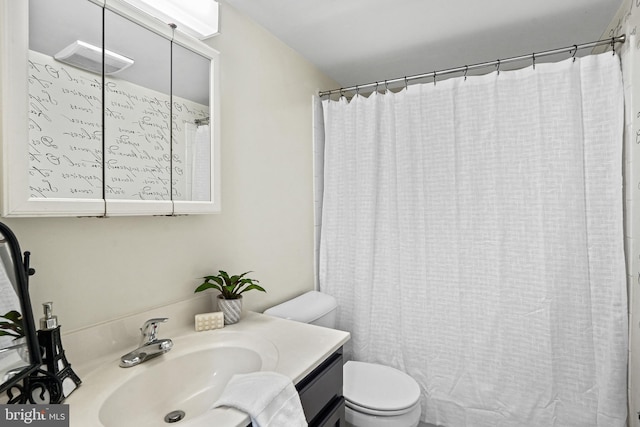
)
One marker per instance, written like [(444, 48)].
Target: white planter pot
[(232, 309)]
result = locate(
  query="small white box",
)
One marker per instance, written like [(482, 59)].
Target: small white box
[(207, 321)]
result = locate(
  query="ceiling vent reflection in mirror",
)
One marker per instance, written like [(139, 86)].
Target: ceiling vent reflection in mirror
[(89, 57)]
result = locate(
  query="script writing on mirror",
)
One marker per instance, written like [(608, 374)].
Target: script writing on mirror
[(66, 157)]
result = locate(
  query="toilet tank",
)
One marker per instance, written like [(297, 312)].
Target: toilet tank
[(313, 307)]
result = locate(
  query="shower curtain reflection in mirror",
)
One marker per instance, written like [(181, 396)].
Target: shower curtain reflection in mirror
[(472, 234), (197, 165)]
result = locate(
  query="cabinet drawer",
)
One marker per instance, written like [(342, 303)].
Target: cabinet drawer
[(319, 389), (332, 416)]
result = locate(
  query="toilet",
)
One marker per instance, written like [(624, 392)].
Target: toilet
[(375, 395)]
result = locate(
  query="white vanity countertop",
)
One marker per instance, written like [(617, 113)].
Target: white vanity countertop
[(301, 348)]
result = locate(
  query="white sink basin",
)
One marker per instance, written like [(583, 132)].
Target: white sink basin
[(189, 378)]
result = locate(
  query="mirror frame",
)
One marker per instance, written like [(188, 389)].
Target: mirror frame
[(21, 270), (14, 124)]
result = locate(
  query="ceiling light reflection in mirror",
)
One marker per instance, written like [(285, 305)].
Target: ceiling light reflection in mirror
[(198, 18)]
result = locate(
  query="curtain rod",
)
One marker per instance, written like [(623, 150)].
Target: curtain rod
[(466, 68)]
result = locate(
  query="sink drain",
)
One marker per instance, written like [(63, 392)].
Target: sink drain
[(174, 416)]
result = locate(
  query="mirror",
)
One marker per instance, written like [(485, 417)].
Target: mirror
[(137, 113), (191, 134), (19, 350), (65, 101), (104, 112)]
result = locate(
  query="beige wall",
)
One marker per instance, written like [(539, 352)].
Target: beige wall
[(626, 22), (100, 269)]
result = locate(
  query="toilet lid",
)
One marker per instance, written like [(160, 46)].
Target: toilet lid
[(379, 387)]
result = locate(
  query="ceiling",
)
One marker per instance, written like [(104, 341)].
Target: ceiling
[(362, 41)]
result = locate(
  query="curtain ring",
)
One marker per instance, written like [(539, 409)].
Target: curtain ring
[(406, 83), (613, 45), (498, 67), (342, 92), (376, 89), (357, 90), (533, 56), (434, 78), (386, 86), (466, 69), (575, 50)]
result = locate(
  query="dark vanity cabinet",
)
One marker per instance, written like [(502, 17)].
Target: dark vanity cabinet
[(321, 393)]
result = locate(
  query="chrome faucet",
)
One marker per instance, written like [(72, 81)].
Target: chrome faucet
[(150, 345)]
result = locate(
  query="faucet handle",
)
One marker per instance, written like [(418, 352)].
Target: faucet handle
[(150, 329)]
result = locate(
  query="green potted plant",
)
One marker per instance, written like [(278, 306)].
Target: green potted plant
[(231, 289)]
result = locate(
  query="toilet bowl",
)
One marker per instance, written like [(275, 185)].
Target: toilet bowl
[(380, 396), (375, 395)]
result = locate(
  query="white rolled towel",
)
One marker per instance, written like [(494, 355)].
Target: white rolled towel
[(269, 398)]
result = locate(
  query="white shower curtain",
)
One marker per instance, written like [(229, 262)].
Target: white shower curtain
[(197, 164), (472, 234)]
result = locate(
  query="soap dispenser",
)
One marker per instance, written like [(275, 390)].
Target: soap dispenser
[(49, 321), (53, 357)]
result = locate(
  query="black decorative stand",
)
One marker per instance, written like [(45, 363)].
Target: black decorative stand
[(56, 363), (54, 381)]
